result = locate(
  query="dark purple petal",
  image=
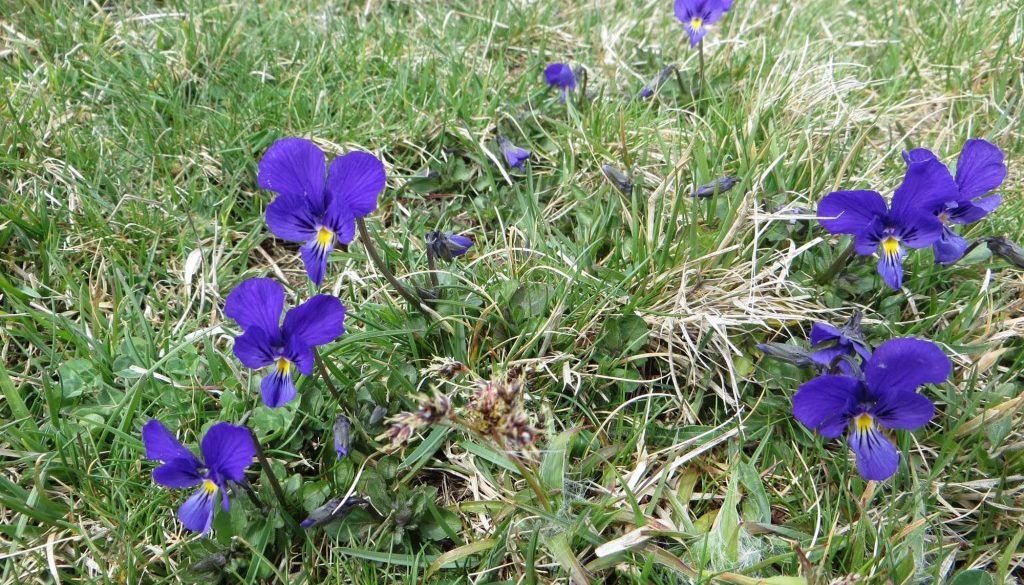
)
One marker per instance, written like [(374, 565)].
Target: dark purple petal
[(291, 218), (277, 389), (965, 212), (255, 349), (980, 168), (314, 257), (712, 16), (357, 178), (460, 244), (340, 220), (927, 185), (687, 9), (178, 473), (950, 247), (903, 410), (257, 302), (877, 457), (824, 403), (904, 364), (162, 446), (890, 264), (300, 355), (514, 156), (851, 212), (294, 166), (317, 321), (196, 514), (822, 332), (828, 356), (560, 75), (918, 155), (918, 229), (228, 450)]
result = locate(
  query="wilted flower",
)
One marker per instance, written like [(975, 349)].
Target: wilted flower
[(256, 305), (445, 368), (1005, 249), (515, 157), (432, 410), (651, 88), (333, 509), (341, 431), (446, 245), (698, 15), (909, 221), (886, 397), (309, 209), (227, 451), (719, 186), (618, 178), (832, 343), (979, 170), (562, 76)]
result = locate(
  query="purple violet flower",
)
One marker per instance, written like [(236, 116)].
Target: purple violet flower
[(908, 222), (886, 397), (561, 75), (227, 450), (446, 245), (698, 15), (980, 169), (256, 305), (514, 156), (309, 209)]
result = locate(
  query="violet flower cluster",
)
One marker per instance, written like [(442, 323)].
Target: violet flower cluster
[(923, 206)]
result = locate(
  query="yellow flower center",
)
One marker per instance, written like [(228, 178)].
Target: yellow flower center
[(944, 217), (696, 22), (209, 487), (863, 422), (283, 365), (890, 245), (324, 237)]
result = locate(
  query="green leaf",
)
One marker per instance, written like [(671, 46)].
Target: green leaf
[(972, 577), (531, 300), (756, 504), (623, 334), (552, 466)]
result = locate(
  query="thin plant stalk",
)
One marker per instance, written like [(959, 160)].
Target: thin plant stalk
[(274, 484), (326, 375), (837, 265), (432, 265), (583, 86), (700, 52), (371, 249)]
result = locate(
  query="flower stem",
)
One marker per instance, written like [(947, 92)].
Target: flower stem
[(700, 52), (583, 92), (371, 249), (837, 265), (528, 475), (432, 265), (326, 376), (274, 484)]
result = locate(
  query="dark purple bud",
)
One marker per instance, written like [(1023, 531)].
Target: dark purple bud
[(333, 509), (791, 354), (1005, 249), (651, 88), (719, 186), (342, 430), (446, 245), (560, 75), (514, 156), (619, 179)]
